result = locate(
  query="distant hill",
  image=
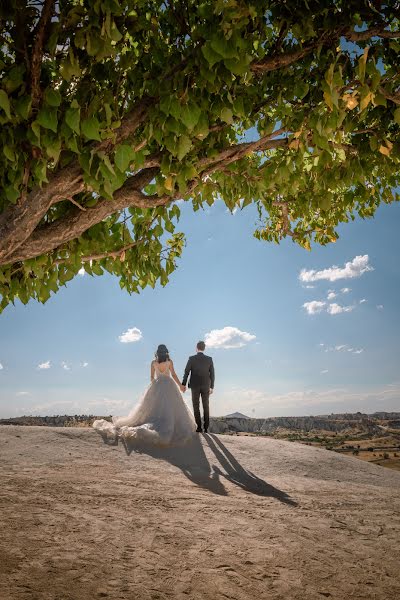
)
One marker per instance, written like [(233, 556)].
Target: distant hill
[(236, 415)]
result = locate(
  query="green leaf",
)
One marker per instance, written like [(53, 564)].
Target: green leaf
[(123, 157), (47, 118), (40, 171), (12, 194), (223, 47), (184, 145), (210, 55), (190, 115), (96, 268), (238, 66), (53, 149), (202, 128), (36, 130), (23, 106), (238, 107), (116, 35), (226, 115), (72, 144), (94, 43), (52, 97), (5, 103), (91, 129), (72, 119), (70, 67), (361, 65), (396, 116), (109, 113), (9, 153), (107, 162)]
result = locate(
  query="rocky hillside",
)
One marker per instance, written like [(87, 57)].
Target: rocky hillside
[(346, 423), (341, 424)]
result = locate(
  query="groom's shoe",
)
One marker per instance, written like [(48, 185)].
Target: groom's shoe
[(199, 430), (205, 430)]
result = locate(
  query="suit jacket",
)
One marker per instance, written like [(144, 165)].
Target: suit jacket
[(201, 370)]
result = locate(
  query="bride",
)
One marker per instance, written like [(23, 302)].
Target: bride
[(161, 417)]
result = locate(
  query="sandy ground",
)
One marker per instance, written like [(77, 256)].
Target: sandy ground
[(228, 517)]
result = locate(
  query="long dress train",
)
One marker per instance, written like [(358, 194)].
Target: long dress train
[(161, 418)]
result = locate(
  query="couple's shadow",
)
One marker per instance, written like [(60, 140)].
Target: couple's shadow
[(194, 464)]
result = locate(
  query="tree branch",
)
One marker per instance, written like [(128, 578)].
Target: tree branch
[(51, 236), (278, 61), (112, 254), (19, 220), (37, 51), (272, 63), (234, 153), (392, 97), (129, 125), (378, 31)]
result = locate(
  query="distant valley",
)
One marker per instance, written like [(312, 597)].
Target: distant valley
[(371, 437)]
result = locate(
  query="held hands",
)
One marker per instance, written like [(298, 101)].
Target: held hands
[(211, 391), (182, 388)]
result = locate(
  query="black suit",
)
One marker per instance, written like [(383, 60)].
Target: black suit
[(202, 377)]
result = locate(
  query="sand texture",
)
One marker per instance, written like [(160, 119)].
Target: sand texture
[(227, 518)]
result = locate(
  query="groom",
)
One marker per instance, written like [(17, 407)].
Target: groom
[(202, 376)]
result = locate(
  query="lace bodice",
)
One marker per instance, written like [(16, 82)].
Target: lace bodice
[(163, 371)]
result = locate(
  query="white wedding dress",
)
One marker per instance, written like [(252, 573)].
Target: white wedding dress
[(161, 418)]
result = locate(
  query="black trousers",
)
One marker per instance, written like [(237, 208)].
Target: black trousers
[(205, 395)]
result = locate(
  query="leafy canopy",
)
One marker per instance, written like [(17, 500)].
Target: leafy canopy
[(112, 111)]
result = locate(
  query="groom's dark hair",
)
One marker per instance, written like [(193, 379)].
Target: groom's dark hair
[(201, 346)]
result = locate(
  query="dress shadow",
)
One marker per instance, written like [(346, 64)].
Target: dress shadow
[(193, 462), (190, 459)]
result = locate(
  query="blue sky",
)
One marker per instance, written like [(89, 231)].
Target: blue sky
[(290, 362)]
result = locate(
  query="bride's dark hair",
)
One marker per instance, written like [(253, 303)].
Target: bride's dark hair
[(162, 354)]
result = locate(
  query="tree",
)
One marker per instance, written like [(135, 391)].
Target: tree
[(112, 111)]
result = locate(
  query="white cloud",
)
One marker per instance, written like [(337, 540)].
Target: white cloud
[(23, 394), (317, 306), (324, 371), (354, 268), (1, 367), (44, 365), (343, 348), (331, 295), (85, 364), (336, 309), (314, 307), (345, 290), (131, 335), (362, 301), (379, 306), (309, 287), (81, 272), (65, 366), (228, 337)]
